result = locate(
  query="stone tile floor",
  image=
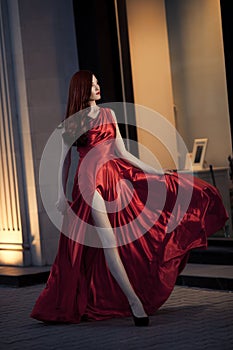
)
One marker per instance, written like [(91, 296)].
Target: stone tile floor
[(191, 318)]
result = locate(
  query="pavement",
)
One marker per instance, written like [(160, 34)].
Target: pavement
[(192, 318)]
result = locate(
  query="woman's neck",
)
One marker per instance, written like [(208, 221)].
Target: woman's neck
[(94, 111), (92, 103)]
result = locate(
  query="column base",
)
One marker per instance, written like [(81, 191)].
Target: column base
[(14, 254)]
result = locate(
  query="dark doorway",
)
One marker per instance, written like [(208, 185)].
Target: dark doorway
[(103, 47), (227, 28)]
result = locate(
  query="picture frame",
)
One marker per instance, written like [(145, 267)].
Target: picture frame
[(198, 153)]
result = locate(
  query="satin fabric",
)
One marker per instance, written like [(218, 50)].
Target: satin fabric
[(80, 286)]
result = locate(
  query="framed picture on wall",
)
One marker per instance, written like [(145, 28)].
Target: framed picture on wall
[(198, 153)]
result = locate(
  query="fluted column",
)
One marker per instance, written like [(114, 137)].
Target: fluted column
[(10, 218), (19, 228)]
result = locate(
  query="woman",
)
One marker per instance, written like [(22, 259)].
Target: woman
[(136, 267)]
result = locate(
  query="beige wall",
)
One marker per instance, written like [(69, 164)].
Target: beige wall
[(151, 72), (198, 74)]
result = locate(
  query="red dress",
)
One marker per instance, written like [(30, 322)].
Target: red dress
[(80, 285)]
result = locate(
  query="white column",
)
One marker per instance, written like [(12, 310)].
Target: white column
[(19, 226)]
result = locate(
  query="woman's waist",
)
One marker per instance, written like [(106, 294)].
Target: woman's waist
[(94, 154)]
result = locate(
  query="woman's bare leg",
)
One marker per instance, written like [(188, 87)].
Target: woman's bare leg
[(107, 237)]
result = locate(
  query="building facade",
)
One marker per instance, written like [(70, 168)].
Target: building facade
[(166, 55)]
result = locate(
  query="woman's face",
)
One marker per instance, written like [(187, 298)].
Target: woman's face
[(95, 90)]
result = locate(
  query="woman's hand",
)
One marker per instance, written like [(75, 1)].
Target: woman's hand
[(168, 172), (62, 204), (162, 172)]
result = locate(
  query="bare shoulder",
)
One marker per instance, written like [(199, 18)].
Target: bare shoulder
[(113, 114)]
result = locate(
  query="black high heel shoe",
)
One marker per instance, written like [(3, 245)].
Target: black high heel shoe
[(141, 321)]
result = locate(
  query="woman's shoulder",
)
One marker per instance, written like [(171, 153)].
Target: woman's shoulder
[(110, 113)]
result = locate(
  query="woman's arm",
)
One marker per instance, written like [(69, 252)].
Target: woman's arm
[(123, 153), (63, 172)]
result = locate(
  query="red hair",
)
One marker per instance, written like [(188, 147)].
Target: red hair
[(79, 92), (78, 99)]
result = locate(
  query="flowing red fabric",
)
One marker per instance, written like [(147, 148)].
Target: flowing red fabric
[(80, 285)]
